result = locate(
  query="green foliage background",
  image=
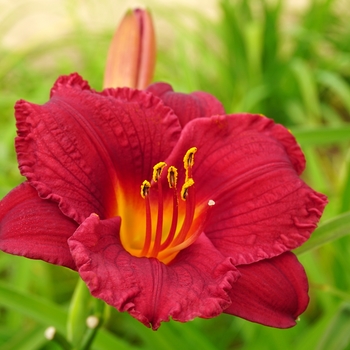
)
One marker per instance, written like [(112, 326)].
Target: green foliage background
[(258, 56)]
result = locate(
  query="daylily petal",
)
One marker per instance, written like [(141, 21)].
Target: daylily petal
[(195, 284), (249, 167), (81, 147), (187, 106), (35, 228), (272, 292)]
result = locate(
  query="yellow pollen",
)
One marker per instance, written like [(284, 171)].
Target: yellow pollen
[(172, 176), (189, 157), (185, 187), (189, 162), (157, 170), (145, 187)]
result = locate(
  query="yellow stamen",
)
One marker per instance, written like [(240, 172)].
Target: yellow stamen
[(170, 224), (157, 171), (185, 187), (172, 177), (145, 187), (189, 157), (189, 162)]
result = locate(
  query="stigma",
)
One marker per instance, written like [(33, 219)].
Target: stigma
[(169, 223)]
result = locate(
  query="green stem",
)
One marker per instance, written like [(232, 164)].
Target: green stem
[(79, 310), (93, 322)]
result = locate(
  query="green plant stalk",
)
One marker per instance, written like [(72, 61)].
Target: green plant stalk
[(79, 310)]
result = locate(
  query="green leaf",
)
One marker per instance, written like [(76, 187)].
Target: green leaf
[(314, 164), (336, 83), (308, 339), (307, 85), (317, 136), (337, 335), (38, 309), (192, 336), (345, 193), (254, 44), (329, 231), (31, 339), (50, 314)]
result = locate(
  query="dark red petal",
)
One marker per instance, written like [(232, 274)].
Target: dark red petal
[(249, 166), (272, 292), (35, 228), (195, 284), (82, 147), (187, 106)]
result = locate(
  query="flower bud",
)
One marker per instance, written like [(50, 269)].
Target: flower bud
[(131, 56)]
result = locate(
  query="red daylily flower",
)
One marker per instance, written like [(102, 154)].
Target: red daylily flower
[(165, 206)]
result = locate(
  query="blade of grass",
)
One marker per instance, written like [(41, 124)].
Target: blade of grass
[(32, 339), (338, 85), (337, 335), (331, 230), (309, 339), (308, 89), (318, 136), (50, 314), (192, 336), (331, 116), (39, 309), (345, 192), (314, 164)]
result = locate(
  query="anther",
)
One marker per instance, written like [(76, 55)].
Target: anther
[(211, 203), (185, 188), (145, 187), (172, 177), (189, 157), (157, 170), (189, 162)]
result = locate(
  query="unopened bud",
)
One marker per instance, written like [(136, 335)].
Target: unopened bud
[(50, 333), (92, 322), (132, 54)]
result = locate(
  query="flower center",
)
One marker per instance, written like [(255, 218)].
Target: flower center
[(171, 221)]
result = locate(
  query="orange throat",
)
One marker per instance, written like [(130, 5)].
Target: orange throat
[(169, 221)]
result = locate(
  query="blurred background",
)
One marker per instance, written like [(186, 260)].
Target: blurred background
[(289, 60)]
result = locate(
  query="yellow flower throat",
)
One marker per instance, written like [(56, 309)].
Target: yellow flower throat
[(173, 229)]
